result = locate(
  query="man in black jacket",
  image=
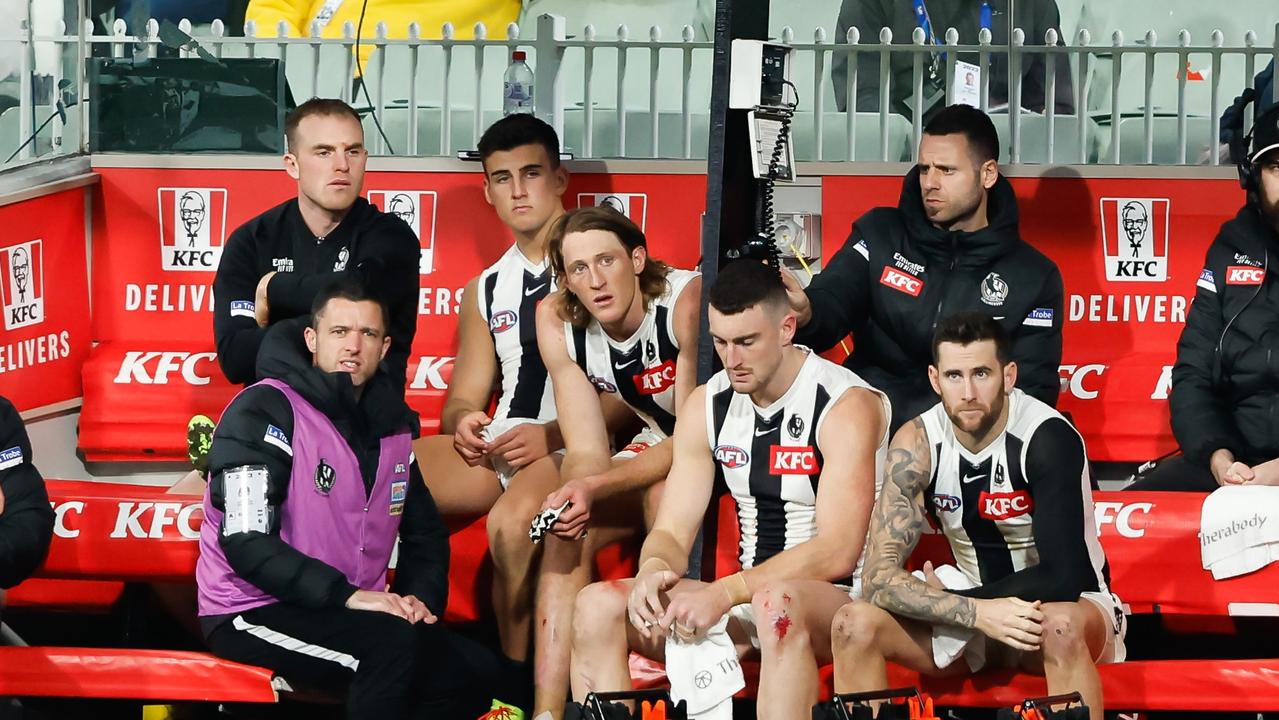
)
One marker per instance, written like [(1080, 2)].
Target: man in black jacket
[(312, 475), (1225, 389), (274, 264), (951, 244), (26, 520), (1034, 17)]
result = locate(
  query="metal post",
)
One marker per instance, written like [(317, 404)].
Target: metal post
[(548, 90)]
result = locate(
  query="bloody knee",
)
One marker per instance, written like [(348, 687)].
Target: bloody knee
[(776, 609), (1063, 637)]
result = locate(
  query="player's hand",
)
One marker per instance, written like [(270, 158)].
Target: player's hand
[(691, 613), (261, 308), (1237, 474), (1012, 621), (467, 441), (930, 576), (799, 302), (571, 523), (386, 602), (1, 499), (419, 612), (522, 444), (646, 603)]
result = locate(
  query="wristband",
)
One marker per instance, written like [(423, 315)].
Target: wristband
[(735, 587)]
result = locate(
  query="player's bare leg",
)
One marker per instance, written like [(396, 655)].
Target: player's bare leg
[(864, 637), (567, 567), (1074, 639), (514, 555), (457, 488), (793, 619)]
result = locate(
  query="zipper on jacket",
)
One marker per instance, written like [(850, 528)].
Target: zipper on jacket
[(954, 258)]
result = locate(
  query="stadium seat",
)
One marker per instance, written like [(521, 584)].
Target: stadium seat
[(1034, 139), (1132, 140)]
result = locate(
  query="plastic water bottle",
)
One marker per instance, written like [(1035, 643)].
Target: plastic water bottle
[(517, 86)]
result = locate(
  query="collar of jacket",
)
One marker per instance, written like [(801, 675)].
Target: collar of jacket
[(977, 249), (380, 409)]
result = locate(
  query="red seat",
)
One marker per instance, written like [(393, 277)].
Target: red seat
[(131, 674)]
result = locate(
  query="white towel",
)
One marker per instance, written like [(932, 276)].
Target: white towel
[(1239, 529), (705, 673), (950, 641)]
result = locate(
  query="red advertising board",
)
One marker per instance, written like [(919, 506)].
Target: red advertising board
[(1130, 251), (159, 234), (44, 295)]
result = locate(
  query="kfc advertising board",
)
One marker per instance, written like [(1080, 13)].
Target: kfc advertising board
[(159, 234), (44, 295), (1130, 252)]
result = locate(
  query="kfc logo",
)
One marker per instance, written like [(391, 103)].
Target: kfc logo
[(901, 282), (731, 456), (1134, 239), (632, 205), (429, 374), (417, 209), (502, 321), (192, 228), (1003, 506), (1121, 515), (784, 460), (154, 368), (22, 284), (1074, 379), (657, 380), (1244, 275)]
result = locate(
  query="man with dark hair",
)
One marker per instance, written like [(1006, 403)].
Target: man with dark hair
[(274, 264), (1005, 478), (26, 521), (968, 18), (951, 244), (312, 477), (622, 330), (799, 442), (474, 462), (1223, 395)]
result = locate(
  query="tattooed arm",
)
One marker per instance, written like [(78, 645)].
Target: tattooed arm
[(894, 531)]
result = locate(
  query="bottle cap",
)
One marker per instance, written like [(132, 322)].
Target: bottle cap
[(518, 56)]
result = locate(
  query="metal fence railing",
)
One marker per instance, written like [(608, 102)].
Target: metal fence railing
[(646, 94)]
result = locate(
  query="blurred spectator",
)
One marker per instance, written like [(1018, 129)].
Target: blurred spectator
[(1034, 17), (1232, 118)]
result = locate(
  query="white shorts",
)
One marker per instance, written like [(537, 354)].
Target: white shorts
[(642, 441), (505, 471)]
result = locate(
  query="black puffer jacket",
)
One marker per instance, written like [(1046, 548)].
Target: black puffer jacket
[(26, 522), (897, 276), (1225, 385)]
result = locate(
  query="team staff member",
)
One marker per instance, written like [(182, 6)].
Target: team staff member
[(1005, 477), (1225, 390), (26, 520), (799, 441), (312, 476), (951, 244), (623, 329), (274, 264)]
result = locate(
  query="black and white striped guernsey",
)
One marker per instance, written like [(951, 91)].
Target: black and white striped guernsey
[(984, 502), (509, 291), (641, 368), (769, 456)]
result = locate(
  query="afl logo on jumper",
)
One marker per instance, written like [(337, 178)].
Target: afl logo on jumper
[(324, 477), (731, 456), (22, 284), (192, 228), (417, 209), (502, 321)]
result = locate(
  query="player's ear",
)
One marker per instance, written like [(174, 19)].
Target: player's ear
[(1010, 376), (639, 258), (310, 336), (291, 165), (386, 345), (933, 379), (989, 174), (789, 324), (488, 190)]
